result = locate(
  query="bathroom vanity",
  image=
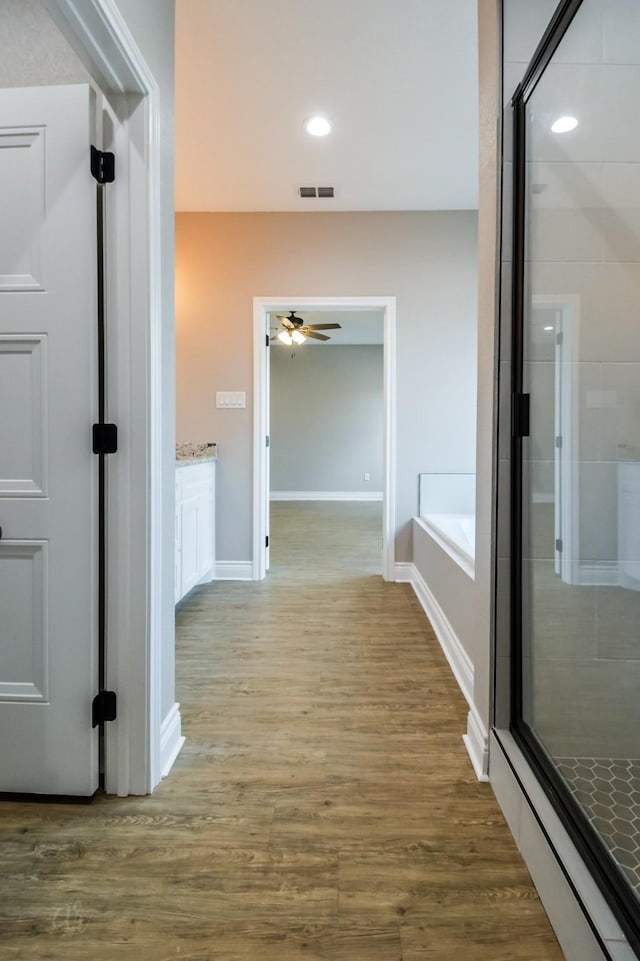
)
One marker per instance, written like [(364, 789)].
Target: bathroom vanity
[(194, 517)]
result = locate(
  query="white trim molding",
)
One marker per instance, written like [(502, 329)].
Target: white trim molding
[(403, 572), (262, 306), (326, 496), (98, 33), (234, 571), (600, 574), (171, 739), (476, 741)]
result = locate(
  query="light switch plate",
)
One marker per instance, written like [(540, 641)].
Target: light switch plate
[(227, 399)]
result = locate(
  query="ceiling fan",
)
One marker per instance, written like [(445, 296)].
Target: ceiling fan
[(295, 331)]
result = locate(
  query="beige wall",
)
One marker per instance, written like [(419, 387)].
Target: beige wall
[(427, 260)]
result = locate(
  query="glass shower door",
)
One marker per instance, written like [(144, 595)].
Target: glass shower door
[(578, 458)]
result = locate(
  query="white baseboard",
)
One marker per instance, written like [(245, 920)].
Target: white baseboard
[(604, 574), (171, 739), (459, 660), (325, 495), (403, 572), (234, 571), (476, 741)]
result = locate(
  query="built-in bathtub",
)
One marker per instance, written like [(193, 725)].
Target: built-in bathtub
[(455, 534), (447, 514)]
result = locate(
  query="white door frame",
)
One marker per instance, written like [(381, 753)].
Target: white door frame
[(99, 35), (262, 306), (567, 426)]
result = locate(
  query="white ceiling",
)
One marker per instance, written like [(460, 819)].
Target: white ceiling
[(397, 78), (356, 326)]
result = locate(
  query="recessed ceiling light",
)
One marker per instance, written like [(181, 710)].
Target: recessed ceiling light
[(547, 328), (318, 126), (564, 124)]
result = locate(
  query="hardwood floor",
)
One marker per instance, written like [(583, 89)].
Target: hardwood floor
[(323, 806)]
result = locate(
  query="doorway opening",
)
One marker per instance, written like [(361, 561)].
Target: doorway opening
[(263, 308)]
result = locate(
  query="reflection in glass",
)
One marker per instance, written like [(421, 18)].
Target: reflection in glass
[(581, 462)]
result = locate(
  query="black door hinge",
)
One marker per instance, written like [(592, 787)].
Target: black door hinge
[(105, 438), (268, 341), (560, 339), (559, 545), (268, 443), (104, 708), (520, 415), (103, 165), (266, 541)]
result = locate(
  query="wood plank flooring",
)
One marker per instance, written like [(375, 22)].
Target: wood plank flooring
[(323, 806)]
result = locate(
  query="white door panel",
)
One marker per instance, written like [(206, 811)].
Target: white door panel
[(48, 399)]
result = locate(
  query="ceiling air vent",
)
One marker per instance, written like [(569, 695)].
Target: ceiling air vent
[(316, 191)]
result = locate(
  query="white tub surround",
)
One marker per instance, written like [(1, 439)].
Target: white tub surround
[(447, 504), (455, 534)]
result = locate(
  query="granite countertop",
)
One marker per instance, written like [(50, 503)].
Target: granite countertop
[(195, 453)]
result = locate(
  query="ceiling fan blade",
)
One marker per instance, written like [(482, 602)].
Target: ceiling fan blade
[(310, 333), (322, 327), (286, 322)]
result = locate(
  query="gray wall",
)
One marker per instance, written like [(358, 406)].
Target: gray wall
[(426, 259), (326, 418)]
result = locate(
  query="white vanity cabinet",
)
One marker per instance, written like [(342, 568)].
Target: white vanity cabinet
[(195, 525)]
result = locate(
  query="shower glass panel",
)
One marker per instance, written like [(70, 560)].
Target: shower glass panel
[(579, 664)]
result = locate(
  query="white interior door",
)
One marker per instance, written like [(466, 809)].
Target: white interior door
[(48, 401)]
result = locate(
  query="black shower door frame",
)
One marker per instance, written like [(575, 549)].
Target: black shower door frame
[(589, 844)]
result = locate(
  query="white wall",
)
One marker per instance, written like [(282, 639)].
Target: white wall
[(326, 418), (34, 52), (426, 259)]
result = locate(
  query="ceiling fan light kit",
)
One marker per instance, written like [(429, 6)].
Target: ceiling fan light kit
[(295, 331)]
